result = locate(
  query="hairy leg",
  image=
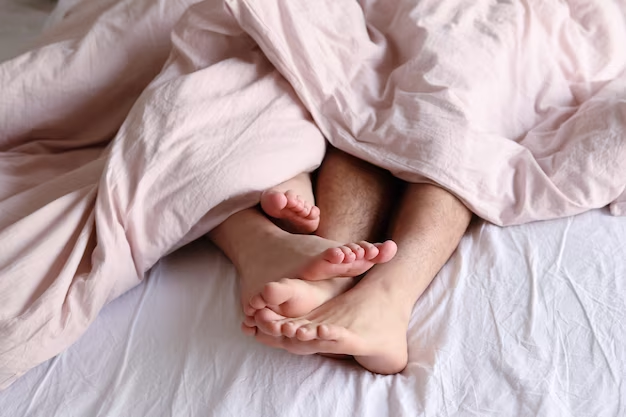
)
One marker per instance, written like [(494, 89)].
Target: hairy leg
[(355, 199), (370, 321), (291, 205)]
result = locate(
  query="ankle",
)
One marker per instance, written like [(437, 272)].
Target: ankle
[(397, 285), (242, 242)]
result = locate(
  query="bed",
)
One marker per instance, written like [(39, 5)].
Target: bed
[(522, 321)]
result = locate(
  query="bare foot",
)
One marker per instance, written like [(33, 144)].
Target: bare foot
[(308, 257), (363, 322), (293, 297), (291, 212)]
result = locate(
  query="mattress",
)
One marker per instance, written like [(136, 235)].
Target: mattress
[(522, 321)]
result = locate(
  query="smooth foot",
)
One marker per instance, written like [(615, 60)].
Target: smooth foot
[(363, 322), (349, 260), (315, 265), (295, 297), (290, 211)]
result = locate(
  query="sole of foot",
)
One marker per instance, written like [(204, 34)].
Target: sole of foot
[(362, 322)]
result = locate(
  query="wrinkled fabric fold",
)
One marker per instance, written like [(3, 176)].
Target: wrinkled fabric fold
[(137, 126), (519, 109), (114, 155)]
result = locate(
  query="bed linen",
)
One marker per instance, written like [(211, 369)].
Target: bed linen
[(98, 163), (187, 149), (518, 108), (523, 321)]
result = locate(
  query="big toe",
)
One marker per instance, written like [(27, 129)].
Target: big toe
[(277, 293), (273, 202), (386, 251)]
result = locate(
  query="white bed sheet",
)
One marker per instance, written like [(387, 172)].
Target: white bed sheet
[(523, 321)]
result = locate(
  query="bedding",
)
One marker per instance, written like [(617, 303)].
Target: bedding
[(125, 155), (523, 321)]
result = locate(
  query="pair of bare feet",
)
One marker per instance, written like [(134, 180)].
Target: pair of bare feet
[(298, 291)]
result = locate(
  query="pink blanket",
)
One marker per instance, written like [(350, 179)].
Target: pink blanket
[(113, 154)]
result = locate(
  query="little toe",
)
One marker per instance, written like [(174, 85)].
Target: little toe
[(247, 330)]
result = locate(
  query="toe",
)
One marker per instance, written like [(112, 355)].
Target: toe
[(334, 255), (349, 256), (273, 202), (248, 310), (247, 330), (256, 303), (292, 199), (249, 321), (387, 251), (314, 214), (267, 315), (301, 210), (299, 203), (330, 332), (307, 332), (268, 322), (371, 251), (289, 329), (358, 251), (299, 347), (277, 293)]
